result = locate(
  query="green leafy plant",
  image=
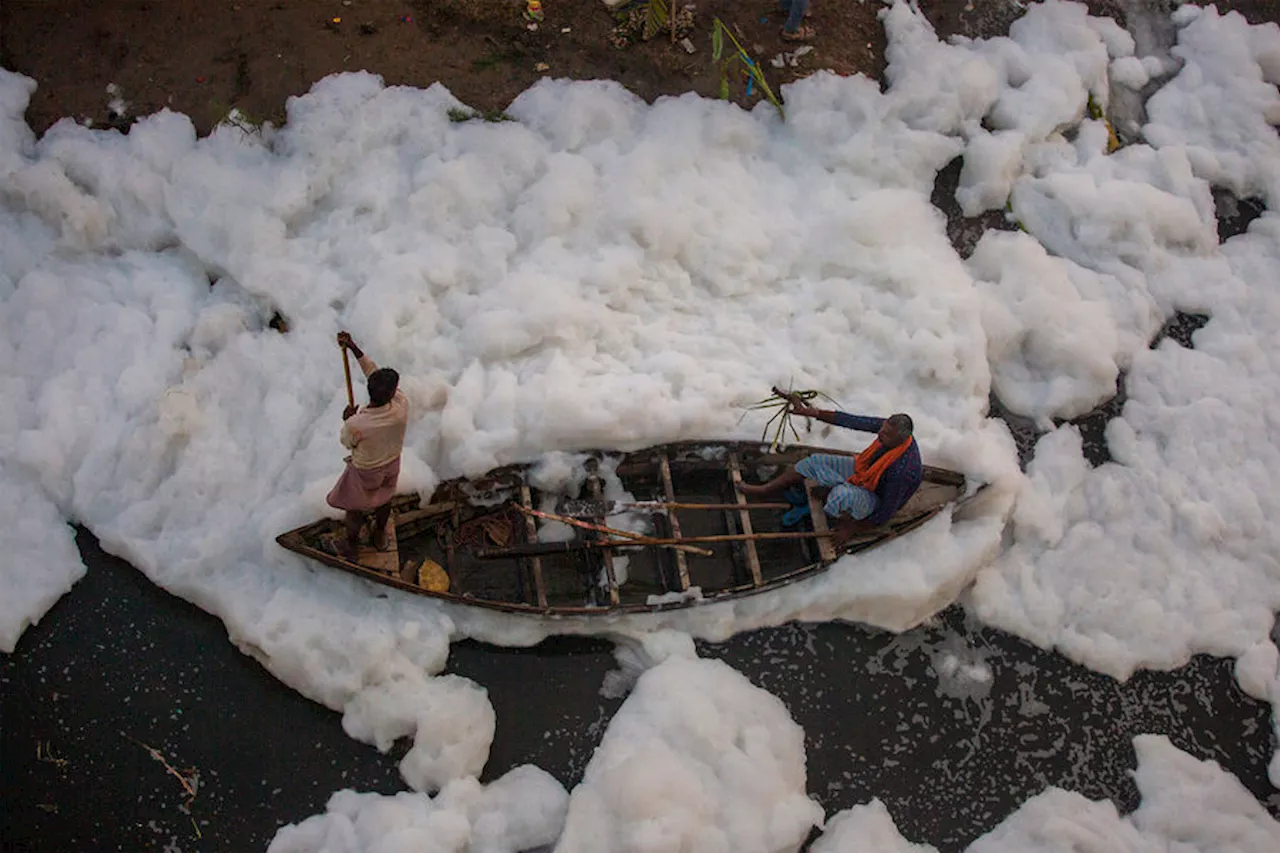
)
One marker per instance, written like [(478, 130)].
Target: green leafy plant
[(640, 22), (458, 115), (1096, 113), (247, 124), (738, 56), (655, 19)]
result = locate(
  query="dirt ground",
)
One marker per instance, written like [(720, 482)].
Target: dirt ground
[(205, 57)]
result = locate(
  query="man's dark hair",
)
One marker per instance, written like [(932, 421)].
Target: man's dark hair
[(901, 425), (382, 386)]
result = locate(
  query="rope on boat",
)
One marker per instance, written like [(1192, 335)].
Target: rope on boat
[(496, 528)]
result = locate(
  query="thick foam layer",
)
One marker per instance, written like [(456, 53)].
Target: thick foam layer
[(602, 272)]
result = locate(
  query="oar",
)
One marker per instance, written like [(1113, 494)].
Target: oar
[(754, 537), (541, 549), (583, 508), (544, 549), (625, 534), (346, 369)]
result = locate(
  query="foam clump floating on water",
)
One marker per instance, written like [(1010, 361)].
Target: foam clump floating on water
[(697, 758), (1223, 104), (40, 561), (1166, 551), (391, 710), (523, 810), (866, 828), (1187, 804)]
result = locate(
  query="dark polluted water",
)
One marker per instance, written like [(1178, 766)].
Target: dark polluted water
[(952, 725)]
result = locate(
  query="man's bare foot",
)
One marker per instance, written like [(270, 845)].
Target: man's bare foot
[(846, 532), (841, 533)]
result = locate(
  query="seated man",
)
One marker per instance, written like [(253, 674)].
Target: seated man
[(375, 436), (865, 490)]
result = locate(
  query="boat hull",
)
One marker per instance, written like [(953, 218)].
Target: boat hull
[(471, 543)]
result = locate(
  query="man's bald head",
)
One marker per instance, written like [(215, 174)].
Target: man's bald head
[(896, 429)]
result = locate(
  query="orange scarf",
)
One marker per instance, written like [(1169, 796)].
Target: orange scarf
[(867, 474)]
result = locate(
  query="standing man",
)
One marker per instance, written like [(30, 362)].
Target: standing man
[(375, 436), (865, 490)]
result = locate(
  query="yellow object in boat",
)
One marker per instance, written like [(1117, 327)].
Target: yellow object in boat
[(432, 576)]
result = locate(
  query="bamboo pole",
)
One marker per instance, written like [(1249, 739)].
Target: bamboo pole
[(625, 534), (737, 537), (547, 548), (615, 506), (346, 369)]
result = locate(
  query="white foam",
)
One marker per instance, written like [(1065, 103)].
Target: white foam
[(602, 272), (696, 759), (523, 810), (1223, 104), (1039, 312), (541, 285), (40, 558), (865, 829), (1187, 805), (1005, 96), (1166, 552)]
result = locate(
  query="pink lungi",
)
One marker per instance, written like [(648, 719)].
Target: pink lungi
[(364, 489)]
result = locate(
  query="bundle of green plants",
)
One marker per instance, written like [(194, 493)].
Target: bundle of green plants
[(782, 404), (738, 57)]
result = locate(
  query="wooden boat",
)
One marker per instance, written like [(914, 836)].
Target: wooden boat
[(476, 542)]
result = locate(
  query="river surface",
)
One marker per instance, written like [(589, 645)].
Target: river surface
[(951, 725)]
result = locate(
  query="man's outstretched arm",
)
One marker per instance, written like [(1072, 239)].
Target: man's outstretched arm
[(841, 419), (860, 423)]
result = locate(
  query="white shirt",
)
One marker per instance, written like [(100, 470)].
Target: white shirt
[(375, 434)]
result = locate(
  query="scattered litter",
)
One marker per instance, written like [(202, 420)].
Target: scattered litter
[(533, 28), (533, 10), (406, 19), (117, 106), (687, 45), (189, 778), (791, 58), (566, 29), (542, 66), (45, 753)]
